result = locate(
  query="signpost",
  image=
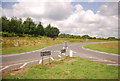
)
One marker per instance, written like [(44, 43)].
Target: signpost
[(18, 43), (45, 53), (63, 50), (65, 44)]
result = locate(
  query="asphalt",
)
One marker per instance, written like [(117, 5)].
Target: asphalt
[(17, 61)]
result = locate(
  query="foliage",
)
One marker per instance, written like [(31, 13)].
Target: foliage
[(17, 27), (111, 38), (51, 31)]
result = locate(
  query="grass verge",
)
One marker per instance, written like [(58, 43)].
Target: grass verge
[(105, 47), (67, 68), (27, 44)]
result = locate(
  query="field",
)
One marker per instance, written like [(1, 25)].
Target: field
[(106, 47), (67, 68), (10, 45)]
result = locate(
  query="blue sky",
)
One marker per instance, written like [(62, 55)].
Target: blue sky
[(8, 5), (94, 6)]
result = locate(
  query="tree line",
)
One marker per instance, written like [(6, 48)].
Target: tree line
[(17, 27), (28, 27), (85, 37)]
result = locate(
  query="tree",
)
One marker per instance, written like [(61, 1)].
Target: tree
[(5, 24), (0, 24), (86, 37), (111, 38), (51, 31), (29, 26), (40, 30)]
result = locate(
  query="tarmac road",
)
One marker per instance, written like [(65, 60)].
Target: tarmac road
[(15, 61)]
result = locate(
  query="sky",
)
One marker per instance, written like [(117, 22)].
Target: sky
[(97, 19)]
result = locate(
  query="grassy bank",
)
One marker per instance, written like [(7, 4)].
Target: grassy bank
[(105, 47), (68, 68), (10, 46)]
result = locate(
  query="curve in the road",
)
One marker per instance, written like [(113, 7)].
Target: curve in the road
[(32, 58)]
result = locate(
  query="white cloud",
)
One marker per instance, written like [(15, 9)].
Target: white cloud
[(71, 19), (51, 10)]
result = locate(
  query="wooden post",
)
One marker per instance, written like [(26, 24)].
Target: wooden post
[(49, 59), (42, 60)]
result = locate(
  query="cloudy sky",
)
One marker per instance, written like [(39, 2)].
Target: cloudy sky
[(99, 19)]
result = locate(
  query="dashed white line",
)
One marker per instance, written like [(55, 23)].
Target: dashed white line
[(52, 58), (114, 64), (23, 65), (40, 61), (59, 56), (63, 53), (4, 68)]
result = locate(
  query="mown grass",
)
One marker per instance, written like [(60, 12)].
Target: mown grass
[(77, 69), (10, 46), (105, 47)]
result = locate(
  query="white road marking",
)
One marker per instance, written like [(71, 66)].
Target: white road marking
[(114, 64), (4, 68), (90, 57), (63, 53), (24, 53), (19, 64), (52, 58), (59, 56), (109, 61), (40, 61), (23, 65), (56, 51)]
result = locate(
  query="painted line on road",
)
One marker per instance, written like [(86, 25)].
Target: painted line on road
[(56, 51), (97, 59), (20, 63), (23, 65), (99, 51), (104, 61), (114, 64), (52, 58), (59, 56), (63, 53), (28, 52), (40, 61), (109, 61), (4, 68)]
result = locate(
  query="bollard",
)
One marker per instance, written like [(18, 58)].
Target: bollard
[(71, 53)]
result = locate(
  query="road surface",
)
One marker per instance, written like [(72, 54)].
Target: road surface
[(15, 61)]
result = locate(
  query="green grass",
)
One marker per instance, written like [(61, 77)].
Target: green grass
[(105, 47), (27, 44), (78, 69)]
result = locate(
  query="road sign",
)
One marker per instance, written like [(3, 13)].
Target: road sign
[(45, 53), (65, 44), (63, 50)]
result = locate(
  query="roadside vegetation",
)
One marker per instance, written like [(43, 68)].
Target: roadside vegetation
[(66, 68), (12, 45), (105, 47)]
